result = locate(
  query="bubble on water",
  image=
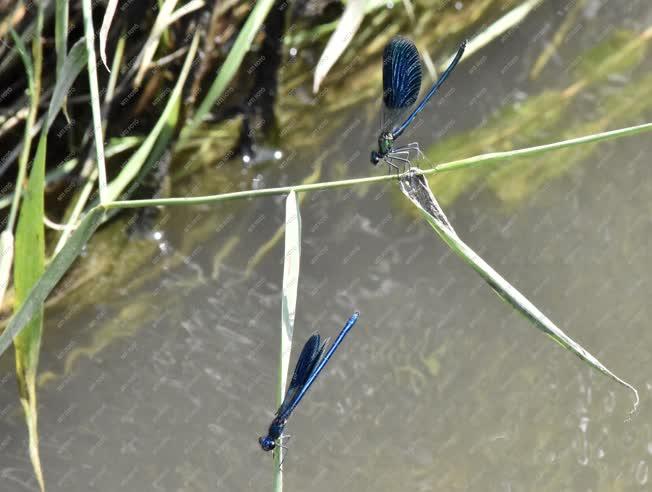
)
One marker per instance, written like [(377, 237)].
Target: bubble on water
[(278, 154), (293, 52), (459, 5)]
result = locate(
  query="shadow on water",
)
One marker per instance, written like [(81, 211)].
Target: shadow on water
[(159, 363)]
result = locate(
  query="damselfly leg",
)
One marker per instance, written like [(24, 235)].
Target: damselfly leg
[(400, 168), (412, 149), (391, 165)]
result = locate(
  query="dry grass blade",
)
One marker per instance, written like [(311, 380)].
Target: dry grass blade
[(104, 30), (339, 40), (415, 187)]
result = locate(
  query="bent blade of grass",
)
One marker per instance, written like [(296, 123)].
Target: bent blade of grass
[(291, 264), (339, 40), (104, 30), (89, 34), (231, 64), (416, 188), (135, 163), (53, 273)]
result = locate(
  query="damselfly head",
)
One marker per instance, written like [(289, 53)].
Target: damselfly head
[(266, 443)]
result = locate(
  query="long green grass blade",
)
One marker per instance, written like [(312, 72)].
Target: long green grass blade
[(29, 260), (291, 265), (138, 159), (29, 263), (415, 187), (53, 273), (89, 34), (232, 62)]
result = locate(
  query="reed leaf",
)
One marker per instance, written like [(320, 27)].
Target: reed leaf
[(291, 264), (415, 187)]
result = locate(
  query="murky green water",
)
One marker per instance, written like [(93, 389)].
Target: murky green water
[(166, 383)]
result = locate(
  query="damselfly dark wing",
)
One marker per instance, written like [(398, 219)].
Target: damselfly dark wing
[(401, 78), (308, 359)]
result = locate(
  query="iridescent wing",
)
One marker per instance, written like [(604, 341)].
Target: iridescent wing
[(308, 359), (401, 78)]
